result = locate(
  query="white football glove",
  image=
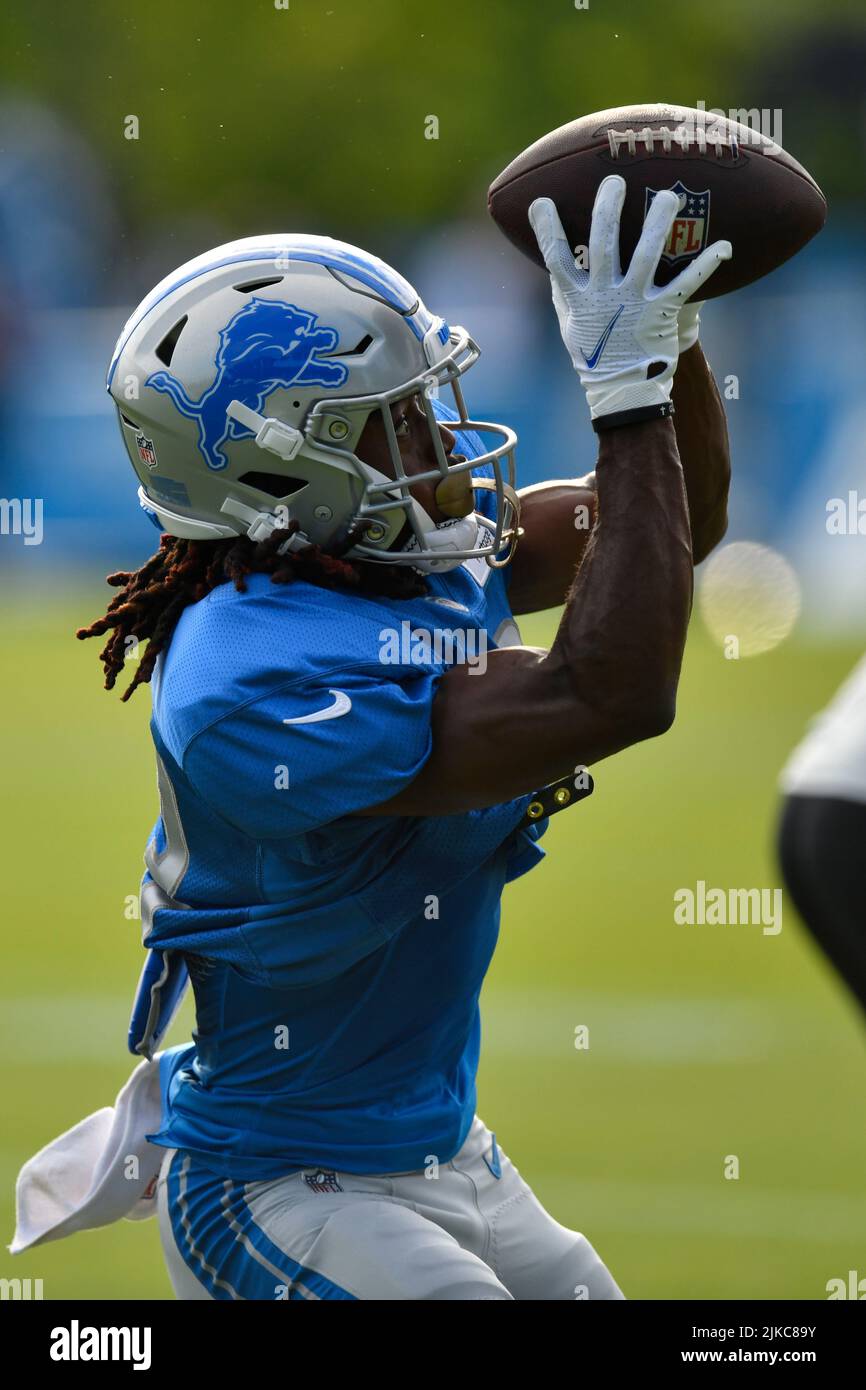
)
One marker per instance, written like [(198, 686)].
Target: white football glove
[(617, 327), (689, 324)]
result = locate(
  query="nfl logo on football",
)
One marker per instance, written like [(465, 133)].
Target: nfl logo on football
[(690, 227)]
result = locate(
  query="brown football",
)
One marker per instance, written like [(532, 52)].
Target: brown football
[(734, 184)]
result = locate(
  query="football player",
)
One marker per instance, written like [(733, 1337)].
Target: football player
[(822, 827), (355, 753)]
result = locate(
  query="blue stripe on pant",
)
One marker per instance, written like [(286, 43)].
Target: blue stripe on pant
[(218, 1238)]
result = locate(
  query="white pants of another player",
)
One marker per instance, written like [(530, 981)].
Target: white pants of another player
[(475, 1231)]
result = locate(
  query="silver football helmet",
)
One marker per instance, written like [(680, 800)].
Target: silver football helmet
[(243, 383)]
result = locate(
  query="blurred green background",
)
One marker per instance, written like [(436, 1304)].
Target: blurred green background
[(704, 1041), (249, 112)]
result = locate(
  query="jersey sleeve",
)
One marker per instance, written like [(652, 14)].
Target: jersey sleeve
[(314, 750)]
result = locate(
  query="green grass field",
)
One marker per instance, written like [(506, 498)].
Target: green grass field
[(704, 1041)]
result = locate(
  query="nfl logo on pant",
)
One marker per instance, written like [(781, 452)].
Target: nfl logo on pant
[(322, 1182)]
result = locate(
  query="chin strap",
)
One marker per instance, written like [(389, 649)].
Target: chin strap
[(442, 537), (260, 525), (280, 439), (275, 435)]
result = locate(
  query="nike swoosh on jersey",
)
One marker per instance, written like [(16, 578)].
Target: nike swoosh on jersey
[(592, 360), (342, 704), (451, 603)]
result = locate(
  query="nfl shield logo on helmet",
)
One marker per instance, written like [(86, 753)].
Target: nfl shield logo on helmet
[(146, 451), (690, 229)]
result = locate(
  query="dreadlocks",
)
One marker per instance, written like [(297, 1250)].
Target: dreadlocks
[(182, 571)]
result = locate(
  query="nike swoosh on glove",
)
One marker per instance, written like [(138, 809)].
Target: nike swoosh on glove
[(620, 330)]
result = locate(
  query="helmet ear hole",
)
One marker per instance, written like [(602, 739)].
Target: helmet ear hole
[(274, 484), (165, 351), (252, 285)]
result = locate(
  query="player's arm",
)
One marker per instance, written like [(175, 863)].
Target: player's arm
[(556, 520), (557, 516), (702, 439), (610, 678)]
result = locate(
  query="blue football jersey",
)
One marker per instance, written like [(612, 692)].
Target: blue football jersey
[(336, 959)]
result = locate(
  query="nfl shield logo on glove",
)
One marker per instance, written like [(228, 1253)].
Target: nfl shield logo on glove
[(689, 232)]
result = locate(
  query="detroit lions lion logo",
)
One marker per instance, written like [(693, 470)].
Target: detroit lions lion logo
[(268, 344)]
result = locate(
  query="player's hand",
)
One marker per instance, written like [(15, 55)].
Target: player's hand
[(620, 330)]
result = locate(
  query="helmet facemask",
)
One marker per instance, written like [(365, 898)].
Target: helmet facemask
[(388, 506)]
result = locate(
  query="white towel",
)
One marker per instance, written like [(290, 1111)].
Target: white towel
[(98, 1171)]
